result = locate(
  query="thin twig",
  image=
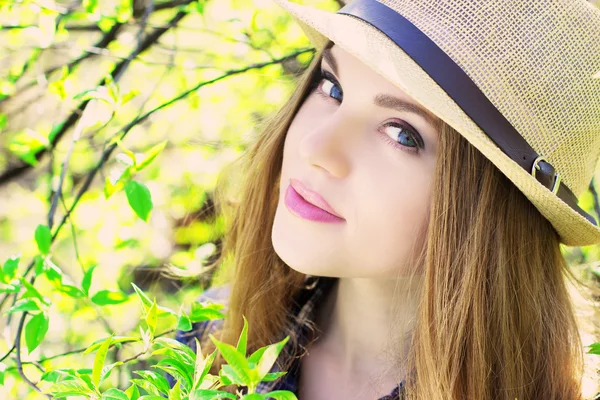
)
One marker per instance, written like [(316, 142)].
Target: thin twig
[(75, 352), (74, 116)]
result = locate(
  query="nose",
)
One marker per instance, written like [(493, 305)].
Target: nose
[(328, 145)]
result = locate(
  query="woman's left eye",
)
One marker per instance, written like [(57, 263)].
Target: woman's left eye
[(402, 136)]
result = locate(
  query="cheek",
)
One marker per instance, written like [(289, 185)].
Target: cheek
[(392, 224)]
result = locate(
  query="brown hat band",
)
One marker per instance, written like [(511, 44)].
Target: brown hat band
[(457, 84)]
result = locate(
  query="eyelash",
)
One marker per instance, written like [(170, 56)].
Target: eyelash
[(316, 87)]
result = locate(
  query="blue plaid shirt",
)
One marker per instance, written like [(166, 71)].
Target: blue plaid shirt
[(303, 312)]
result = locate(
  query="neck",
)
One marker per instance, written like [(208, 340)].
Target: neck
[(366, 326)]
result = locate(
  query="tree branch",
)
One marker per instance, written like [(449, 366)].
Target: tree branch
[(116, 74)]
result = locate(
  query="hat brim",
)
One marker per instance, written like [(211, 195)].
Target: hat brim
[(376, 50)]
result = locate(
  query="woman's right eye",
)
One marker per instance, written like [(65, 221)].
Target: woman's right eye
[(328, 87)]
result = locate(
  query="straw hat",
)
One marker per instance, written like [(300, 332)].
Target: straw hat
[(519, 79)]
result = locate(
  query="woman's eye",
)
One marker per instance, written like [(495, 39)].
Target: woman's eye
[(402, 137), (327, 86)]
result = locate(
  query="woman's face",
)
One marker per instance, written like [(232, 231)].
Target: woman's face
[(371, 158)]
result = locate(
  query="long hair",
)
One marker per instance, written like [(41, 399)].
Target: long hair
[(494, 319)]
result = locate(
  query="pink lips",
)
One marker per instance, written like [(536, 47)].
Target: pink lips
[(309, 205)]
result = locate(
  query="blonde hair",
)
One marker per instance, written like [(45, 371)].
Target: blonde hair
[(494, 321)]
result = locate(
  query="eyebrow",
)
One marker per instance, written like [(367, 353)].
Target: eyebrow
[(385, 100)]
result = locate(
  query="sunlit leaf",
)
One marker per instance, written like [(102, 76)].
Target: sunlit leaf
[(243, 339), (43, 239), (71, 291), (205, 394), (594, 348), (106, 297), (2, 371), (27, 144), (139, 199), (35, 331), (114, 394), (10, 268), (269, 357), (106, 370), (99, 361), (86, 282), (175, 392), (151, 317), (281, 395), (183, 322), (25, 305), (133, 392), (236, 360), (150, 155)]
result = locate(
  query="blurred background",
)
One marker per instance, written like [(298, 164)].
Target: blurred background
[(97, 94)]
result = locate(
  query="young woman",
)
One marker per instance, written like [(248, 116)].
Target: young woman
[(394, 223)]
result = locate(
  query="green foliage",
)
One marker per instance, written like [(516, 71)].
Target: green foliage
[(115, 124), (190, 369)]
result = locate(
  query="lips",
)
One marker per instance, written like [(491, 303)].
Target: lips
[(312, 197)]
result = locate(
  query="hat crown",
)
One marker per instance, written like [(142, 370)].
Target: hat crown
[(538, 62)]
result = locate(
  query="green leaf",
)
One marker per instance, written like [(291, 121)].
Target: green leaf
[(27, 144), (183, 352), (175, 392), (99, 360), (35, 331), (86, 282), (151, 318), (139, 199), (53, 272), (177, 369), (43, 238), (205, 312), (133, 392), (10, 268), (203, 394), (114, 394), (2, 371), (150, 155), (229, 376), (254, 396), (202, 365), (71, 291), (105, 297), (59, 374), (32, 292), (116, 339), (3, 121), (235, 359), (243, 340), (184, 323), (269, 357), (147, 386), (90, 6), (147, 303), (127, 97), (25, 305), (199, 6), (72, 387), (157, 380), (108, 369), (271, 376), (281, 395), (594, 348)]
